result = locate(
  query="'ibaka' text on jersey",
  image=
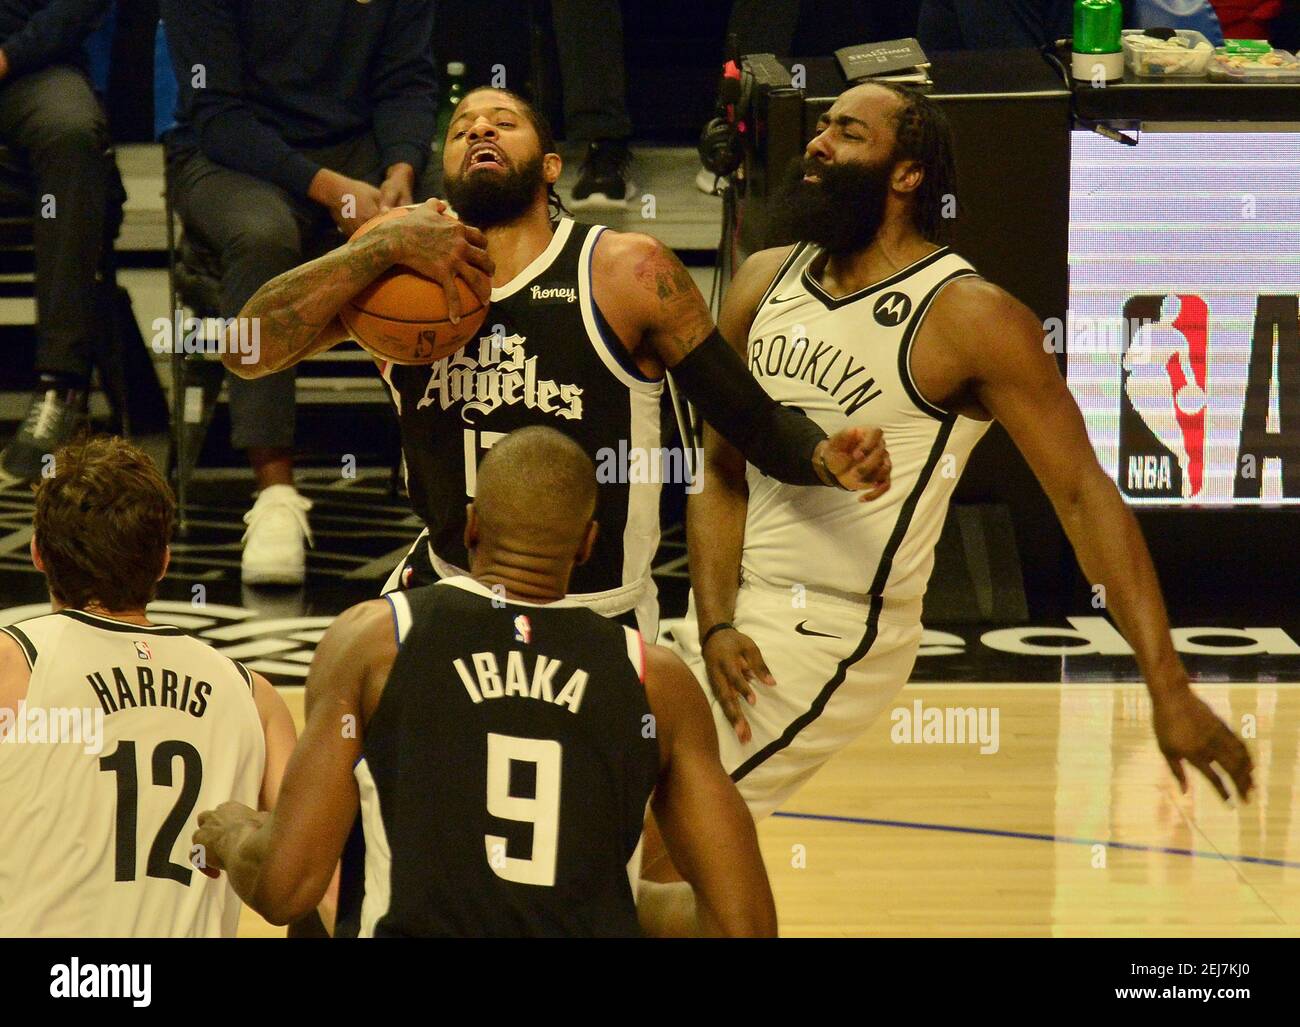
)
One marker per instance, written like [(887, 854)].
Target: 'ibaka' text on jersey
[(488, 680), (119, 690), (827, 367), (496, 373)]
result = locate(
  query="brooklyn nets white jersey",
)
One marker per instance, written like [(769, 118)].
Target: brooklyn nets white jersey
[(127, 733), (845, 362)]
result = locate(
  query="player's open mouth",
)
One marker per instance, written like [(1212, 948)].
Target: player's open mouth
[(484, 155)]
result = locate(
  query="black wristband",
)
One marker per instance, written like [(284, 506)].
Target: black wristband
[(722, 625), (778, 440)]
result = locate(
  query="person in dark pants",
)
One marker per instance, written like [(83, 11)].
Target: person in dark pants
[(295, 125), (993, 24), (56, 131), (589, 38)]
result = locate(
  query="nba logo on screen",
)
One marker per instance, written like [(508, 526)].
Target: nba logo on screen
[(1162, 401), (142, 651), (1167, 388), (523, 629)]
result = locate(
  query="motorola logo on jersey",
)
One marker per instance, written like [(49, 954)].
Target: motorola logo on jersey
[(1181, 388), (499, 373), (891, 309)]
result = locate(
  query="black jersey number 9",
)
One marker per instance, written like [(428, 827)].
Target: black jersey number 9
[(122, 764)]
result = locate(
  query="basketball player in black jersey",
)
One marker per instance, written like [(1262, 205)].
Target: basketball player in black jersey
[(582, 325), (501, 743)]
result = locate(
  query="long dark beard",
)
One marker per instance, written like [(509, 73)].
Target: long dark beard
[(486, 199), (841, 213)]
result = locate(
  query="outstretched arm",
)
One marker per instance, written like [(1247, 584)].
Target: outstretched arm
[(297, 312), (1000, 343)]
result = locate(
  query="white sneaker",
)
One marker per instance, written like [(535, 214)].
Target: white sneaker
[(273, 544)]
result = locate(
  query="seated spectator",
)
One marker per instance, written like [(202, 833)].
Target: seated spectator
[(53, 124), (589, 38), (296, 122)]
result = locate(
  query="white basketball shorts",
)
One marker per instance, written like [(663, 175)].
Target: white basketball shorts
[(837, 664)]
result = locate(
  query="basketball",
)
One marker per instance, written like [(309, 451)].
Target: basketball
[(402, 316)]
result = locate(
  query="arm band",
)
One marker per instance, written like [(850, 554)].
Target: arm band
[(722, 625), (777, 440)]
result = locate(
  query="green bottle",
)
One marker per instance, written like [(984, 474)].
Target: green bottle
[(1098, 44), (455, 93)]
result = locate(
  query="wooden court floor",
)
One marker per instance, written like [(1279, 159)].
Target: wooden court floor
[(1073, 827)]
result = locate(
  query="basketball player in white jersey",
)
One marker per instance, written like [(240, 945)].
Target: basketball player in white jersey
[(114, 731), (871, 321)]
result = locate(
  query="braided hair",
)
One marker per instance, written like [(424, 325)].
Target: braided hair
[(922, 134)]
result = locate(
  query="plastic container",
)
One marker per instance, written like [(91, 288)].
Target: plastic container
[(1248, 70), (1147, 59)]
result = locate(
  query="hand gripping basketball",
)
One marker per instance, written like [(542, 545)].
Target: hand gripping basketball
[(433, 300)]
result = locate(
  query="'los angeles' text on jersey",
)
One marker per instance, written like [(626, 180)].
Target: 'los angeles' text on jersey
[(545, 355)]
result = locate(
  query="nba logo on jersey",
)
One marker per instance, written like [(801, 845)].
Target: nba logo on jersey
[(523, 629), (142, 651)]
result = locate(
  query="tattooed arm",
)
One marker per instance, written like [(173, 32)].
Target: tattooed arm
[(297, 312), (653, 305)]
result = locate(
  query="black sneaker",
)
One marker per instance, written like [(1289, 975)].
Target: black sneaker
[(602, 179), (54, 417)]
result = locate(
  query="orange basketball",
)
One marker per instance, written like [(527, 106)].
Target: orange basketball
[(402, 316)]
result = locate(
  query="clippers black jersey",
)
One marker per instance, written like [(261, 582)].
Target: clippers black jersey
[(545, 355), (506, 770)]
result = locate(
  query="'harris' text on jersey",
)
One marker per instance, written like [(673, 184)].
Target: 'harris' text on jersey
[(116, 691)]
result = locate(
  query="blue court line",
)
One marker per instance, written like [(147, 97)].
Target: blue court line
[(994, 832)]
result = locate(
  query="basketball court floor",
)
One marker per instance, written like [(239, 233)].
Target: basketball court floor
[(1039, 806), (1073, 828)]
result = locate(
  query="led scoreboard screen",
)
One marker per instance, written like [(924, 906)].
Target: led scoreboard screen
[(1183, 338)]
